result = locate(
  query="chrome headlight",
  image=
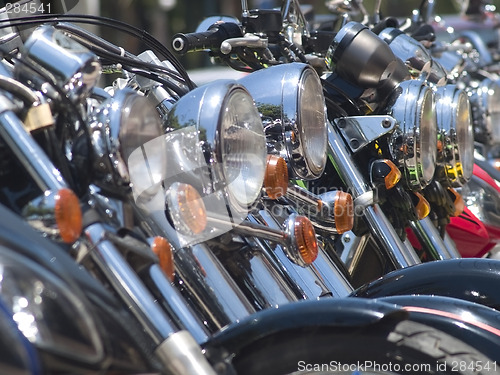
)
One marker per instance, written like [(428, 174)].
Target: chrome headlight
[(74, 67), (231, 138), (293, 113), (456, 137), (414, 143), (122, 124), (360, 57), (414, 54), (485, 106), (49, 315), (483, 200), (242, 149)]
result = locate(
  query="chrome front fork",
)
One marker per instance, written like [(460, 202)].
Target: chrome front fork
[(380, 227), (177, 349)]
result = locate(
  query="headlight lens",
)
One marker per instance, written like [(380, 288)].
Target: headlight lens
[(243, 148), (311, 124), (483, 200), (123, 124), (465, 136), (485, 106), (293, 111), (428, 137), (456, 159), (140, 123), (414, 144)]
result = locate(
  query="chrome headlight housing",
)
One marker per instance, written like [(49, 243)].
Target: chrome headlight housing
[(414, 54), (485, 106), (122, 124), (73, 66), (414, 142), (360, 57), (483, 200), (293, 112), (230, 136), (456, 137)]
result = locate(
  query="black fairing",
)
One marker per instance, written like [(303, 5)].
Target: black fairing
[(303, 316), (474, 280), (475, 324), (125, 343), (17, 356)]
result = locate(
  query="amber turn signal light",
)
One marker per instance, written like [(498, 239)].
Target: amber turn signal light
[(163, 250), (305, 235), (68, 215), (276, 177), (186, 208), (458, 201), (343, 212), (422, 206), (496, 164), (384, 171)]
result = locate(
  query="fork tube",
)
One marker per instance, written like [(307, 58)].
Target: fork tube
[(126, 283), (378, 223), (429, 236), (29, 153)]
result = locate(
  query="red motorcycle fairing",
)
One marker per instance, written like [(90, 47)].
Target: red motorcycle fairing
[(470, 279), (485, 176), (470, 235)]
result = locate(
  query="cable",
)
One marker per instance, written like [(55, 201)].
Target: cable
[(142, 35), (18, 89)]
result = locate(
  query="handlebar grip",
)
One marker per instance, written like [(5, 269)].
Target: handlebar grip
[(210, 39)]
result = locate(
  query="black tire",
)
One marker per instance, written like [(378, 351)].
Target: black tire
[(404, 347)]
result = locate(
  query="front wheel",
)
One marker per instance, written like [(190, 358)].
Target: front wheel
[(404, 347)]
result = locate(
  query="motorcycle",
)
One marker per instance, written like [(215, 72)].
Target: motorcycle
[(112, 108)]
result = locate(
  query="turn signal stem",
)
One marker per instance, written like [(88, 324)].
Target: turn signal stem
[(332, 212), (298, 237)]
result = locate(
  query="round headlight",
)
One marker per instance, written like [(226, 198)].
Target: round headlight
[(456, 151), (311, 124), (294, 117), (225, 157), (465, 135), (427, 134), (413, 53), (121, 128), (414, 143), (485, 106), (242, 147), (140, 123)]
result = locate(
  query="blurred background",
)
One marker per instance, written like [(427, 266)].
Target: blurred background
[(164, 18)]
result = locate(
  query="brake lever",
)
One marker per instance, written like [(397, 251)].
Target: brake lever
[(248, 40)]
